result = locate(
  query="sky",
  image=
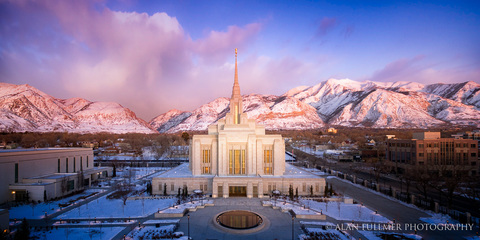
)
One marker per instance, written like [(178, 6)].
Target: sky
[(154, 56)]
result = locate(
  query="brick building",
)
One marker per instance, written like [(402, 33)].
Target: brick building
[(440, 155)]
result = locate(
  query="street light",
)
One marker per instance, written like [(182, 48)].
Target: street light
[(188, 224)]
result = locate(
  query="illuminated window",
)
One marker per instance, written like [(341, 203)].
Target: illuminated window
[(206, 162), (236, 114), (268, 161), (236, 162)]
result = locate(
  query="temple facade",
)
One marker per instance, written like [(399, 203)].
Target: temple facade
[(237, 158)]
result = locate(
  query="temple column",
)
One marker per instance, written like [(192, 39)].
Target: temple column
[(249, 189), (260, 189), (214, 190), (225, 190)]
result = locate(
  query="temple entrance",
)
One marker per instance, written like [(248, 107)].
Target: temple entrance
[(237, 191)]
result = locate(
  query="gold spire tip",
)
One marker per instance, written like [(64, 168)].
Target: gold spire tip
[(235, 51)]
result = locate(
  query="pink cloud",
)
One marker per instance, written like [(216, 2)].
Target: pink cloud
[(417, 69), (144, 62), (399, 68), (217, 45)]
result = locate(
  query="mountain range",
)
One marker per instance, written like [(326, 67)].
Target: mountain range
[(333, 102), (25, 108)]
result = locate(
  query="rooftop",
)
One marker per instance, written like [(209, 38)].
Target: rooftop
[(36, 150), (183, 171)]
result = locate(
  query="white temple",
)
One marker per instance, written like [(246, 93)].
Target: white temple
[(237, 158)]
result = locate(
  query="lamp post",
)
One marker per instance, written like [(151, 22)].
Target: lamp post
[(293, 228), (188, 225)]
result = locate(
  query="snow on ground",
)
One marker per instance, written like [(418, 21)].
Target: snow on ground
[(114, 208), (78, 233), (370, 235), (161, 221), (336, 210), (180, 208), (348, 212), (75, 223), (319, 233), (325, 224), (438, 218), (138, 172), (37, 211), (472, 238), (314, 171), (286, 206), (150, 232)]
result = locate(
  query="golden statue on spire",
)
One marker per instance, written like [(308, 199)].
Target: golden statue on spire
[(235, 52)]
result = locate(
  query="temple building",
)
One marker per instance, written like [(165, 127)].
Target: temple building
[(237, 158)]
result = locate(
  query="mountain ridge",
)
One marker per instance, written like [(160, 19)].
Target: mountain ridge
[(350, 103), (334, 102), (25, 108)]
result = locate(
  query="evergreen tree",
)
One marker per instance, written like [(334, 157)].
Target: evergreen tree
[(325, 192), (164, 189), (296, 193), (149, 188), (290, 192), (178, 195), (311, 190), (114, 172)]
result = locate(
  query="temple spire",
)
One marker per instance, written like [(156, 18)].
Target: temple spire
[(236, 105), (236, 86)]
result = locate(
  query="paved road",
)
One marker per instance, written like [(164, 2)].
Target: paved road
[(392, 209), (460, 203)]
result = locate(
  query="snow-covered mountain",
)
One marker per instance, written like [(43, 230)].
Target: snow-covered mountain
[(333, 102), (273, 111), (25, 108), (346, 103)]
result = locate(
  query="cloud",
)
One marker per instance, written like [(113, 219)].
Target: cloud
[(398, 69), (145, 62), (420, 69), (218, 45), (326, 25)]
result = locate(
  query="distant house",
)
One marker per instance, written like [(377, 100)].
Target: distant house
[(322, 147), (332, 130), (339, 155)]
